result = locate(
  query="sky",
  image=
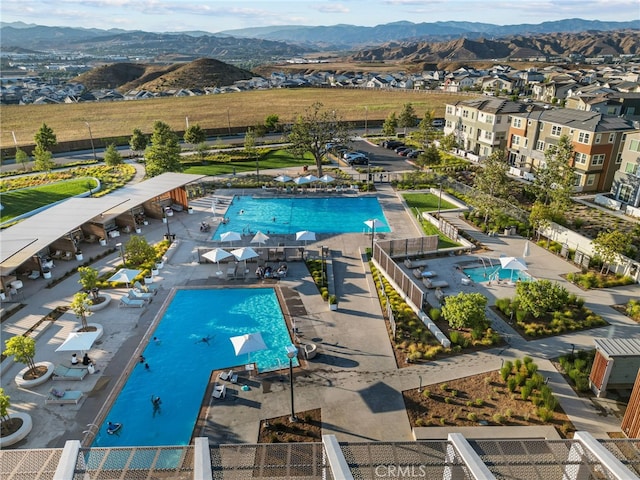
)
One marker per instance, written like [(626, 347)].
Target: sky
[(217, 15)]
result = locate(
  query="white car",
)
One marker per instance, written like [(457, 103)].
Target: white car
[(350, 155)]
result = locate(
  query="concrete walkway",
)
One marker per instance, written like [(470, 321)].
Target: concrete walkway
[(354, 379)]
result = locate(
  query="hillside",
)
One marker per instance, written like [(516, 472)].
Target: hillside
[(588, 44), (201, 73)]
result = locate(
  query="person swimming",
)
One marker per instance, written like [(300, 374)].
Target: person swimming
[(113, 427), (205, 339), (156, 402)]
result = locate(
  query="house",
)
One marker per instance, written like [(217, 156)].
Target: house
[(596, 138), (626, 180), (615, 365)]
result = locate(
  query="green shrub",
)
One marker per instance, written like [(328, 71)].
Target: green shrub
[(434, 314), (426, 393), (498, 418), (478, 402), (543, 414), (512, 383), (472, 417), (525, 392)]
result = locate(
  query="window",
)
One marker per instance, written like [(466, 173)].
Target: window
[(540, 145), (487, 135), (449, 109), (591, 179), (634, 145), (631, 168), (515, 140), (612, 137), (517, 122), (619, 158), (583, 137), (489, 119), (465, 113), (626, 191), (581, 158), (556, 130), (541, 127), (577, 181), (597, 159), (598, 138)]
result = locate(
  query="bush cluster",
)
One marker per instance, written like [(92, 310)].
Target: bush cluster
[(599, 280), (577, 367)]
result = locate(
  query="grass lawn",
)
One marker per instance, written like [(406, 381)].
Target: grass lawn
[(426, 202), (443, 241), (22, 201), (273, 159)]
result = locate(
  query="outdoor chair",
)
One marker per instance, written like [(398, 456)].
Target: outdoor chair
[(34, 274), (434, 283), (62, 372), (125, 301), (66, 256), (138, 295), (225, 375), (146, 288), (57, 255), (64, 396), (219, 391)]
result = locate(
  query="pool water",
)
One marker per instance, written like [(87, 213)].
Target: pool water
[(180, 363), (495, 272), (294, 214)]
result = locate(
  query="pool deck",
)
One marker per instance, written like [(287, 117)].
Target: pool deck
[(353, 379)]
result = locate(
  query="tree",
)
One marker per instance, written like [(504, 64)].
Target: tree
[(201, 150), (23, 349), (112, 155), (390, 124), (272, 123), (5, 403), (491, 183), (541, 296), (431, 156), (80, 305), (43, 161), (89, 279), (408, 117), (313, 129), (163, 155), (22, 157), (554, 181), (195, 134), (45, 138), (466, 310), (138, 141), (609, 246), (540, 216), (425, 128), (138, 251), (449, 142)]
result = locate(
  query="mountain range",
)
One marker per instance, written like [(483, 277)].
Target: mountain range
[(274, 42)]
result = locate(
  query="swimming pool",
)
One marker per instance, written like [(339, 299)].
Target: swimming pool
[(495, 272), (180, 363), (294, 214)]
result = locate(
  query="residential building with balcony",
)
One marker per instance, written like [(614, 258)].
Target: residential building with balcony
[(626, 181), (481, 124), (597, 141)]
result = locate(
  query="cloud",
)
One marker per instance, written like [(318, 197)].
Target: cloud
[(333, 8)]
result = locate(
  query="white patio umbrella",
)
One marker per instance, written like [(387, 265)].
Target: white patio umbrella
[(244, 253), (230, 237), (283, 178), (326, 178), (81, 341), (260, 238), (216, 255), (527, 248), (373, 224), (311, 178), (513, 263), (301, 180), (124, 275), (305, 235), (247, 344)]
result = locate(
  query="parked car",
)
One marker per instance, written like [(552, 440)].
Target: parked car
[(415, 153), (437, 123), (358, 160), (401, 149), (393, 144), (350, 154)]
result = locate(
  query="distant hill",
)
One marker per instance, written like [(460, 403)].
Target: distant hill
[(201, 73), (589, 44), (350, 36)]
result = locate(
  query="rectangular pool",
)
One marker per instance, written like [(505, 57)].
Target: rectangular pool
[(494, 273), (295, 214), (180, 362)]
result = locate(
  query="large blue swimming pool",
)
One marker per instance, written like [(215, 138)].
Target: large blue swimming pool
[(181, 363), (495, 272), (294, 214)]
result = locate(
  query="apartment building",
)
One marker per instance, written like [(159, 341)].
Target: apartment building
[(481, 124), (597, 141), (626, 181)]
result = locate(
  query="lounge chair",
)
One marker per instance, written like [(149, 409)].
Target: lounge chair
[(225, 375), (57, 254), (219, 391), (125, 301), (415, 263), (146, 288), (231, 271), (34, 274), (66, 256), (64, 396), (434, 283), (62, 372), (138, 295)]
